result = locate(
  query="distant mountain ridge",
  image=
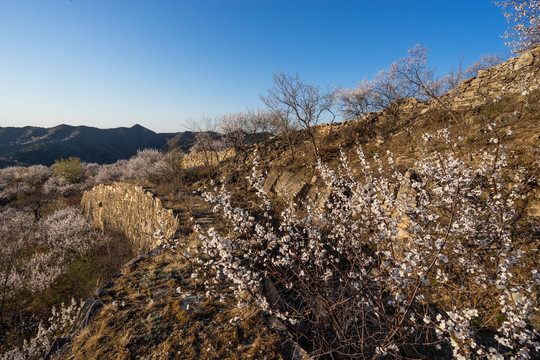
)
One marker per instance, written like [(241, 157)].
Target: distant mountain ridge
[(35, 145)]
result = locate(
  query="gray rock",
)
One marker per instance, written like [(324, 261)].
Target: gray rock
[(57, 345), (192, 304), (276, 325), (292, 184), (135, 260), (90, 309)]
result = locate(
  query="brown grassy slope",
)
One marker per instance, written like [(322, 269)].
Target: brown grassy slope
[(146, 315)]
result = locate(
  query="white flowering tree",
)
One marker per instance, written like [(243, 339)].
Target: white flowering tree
[(16, 228), (22, 187), (67, 232), (109, 173), (34, 253), (357, 102), (33, 187), (434, 269), (148, 164), (524, 19)]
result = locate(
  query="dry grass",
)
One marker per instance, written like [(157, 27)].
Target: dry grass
[(148, 320)]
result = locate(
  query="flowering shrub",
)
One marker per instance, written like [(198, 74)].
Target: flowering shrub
[(59, 323), (425, 264), (33, 255), (523, 17), (148, 164)]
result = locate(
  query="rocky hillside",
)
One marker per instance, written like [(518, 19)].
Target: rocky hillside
[(161, 307)]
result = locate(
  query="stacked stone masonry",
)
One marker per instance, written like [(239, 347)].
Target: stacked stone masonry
[(131, 210), (518, 75), (515, 76)]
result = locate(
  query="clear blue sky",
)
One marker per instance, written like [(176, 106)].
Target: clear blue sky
[(163, 63)]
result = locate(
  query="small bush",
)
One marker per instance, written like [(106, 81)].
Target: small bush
[(70, 169)]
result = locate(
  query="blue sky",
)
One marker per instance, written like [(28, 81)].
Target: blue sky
[(165, 63)]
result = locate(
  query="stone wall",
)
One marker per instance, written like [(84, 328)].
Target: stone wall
[(516, 75), (131, 210), (197, 159)]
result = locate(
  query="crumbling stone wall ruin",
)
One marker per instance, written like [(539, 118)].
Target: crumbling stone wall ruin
[(131, 210), (514, 76)]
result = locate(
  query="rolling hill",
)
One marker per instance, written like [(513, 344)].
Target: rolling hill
[(35, 145)]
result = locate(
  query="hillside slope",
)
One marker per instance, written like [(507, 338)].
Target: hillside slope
[(158, 309)]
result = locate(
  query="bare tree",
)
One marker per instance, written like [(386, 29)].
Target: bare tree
[(357, 102), (413, 69), (390, 91), (284, 124), (385, 92), (307, 103), (233, 127), (208, 142), (486, 61), (406, 78), (456, 75), (524, 17), (243, 129), (175, 161), (260, 125)]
